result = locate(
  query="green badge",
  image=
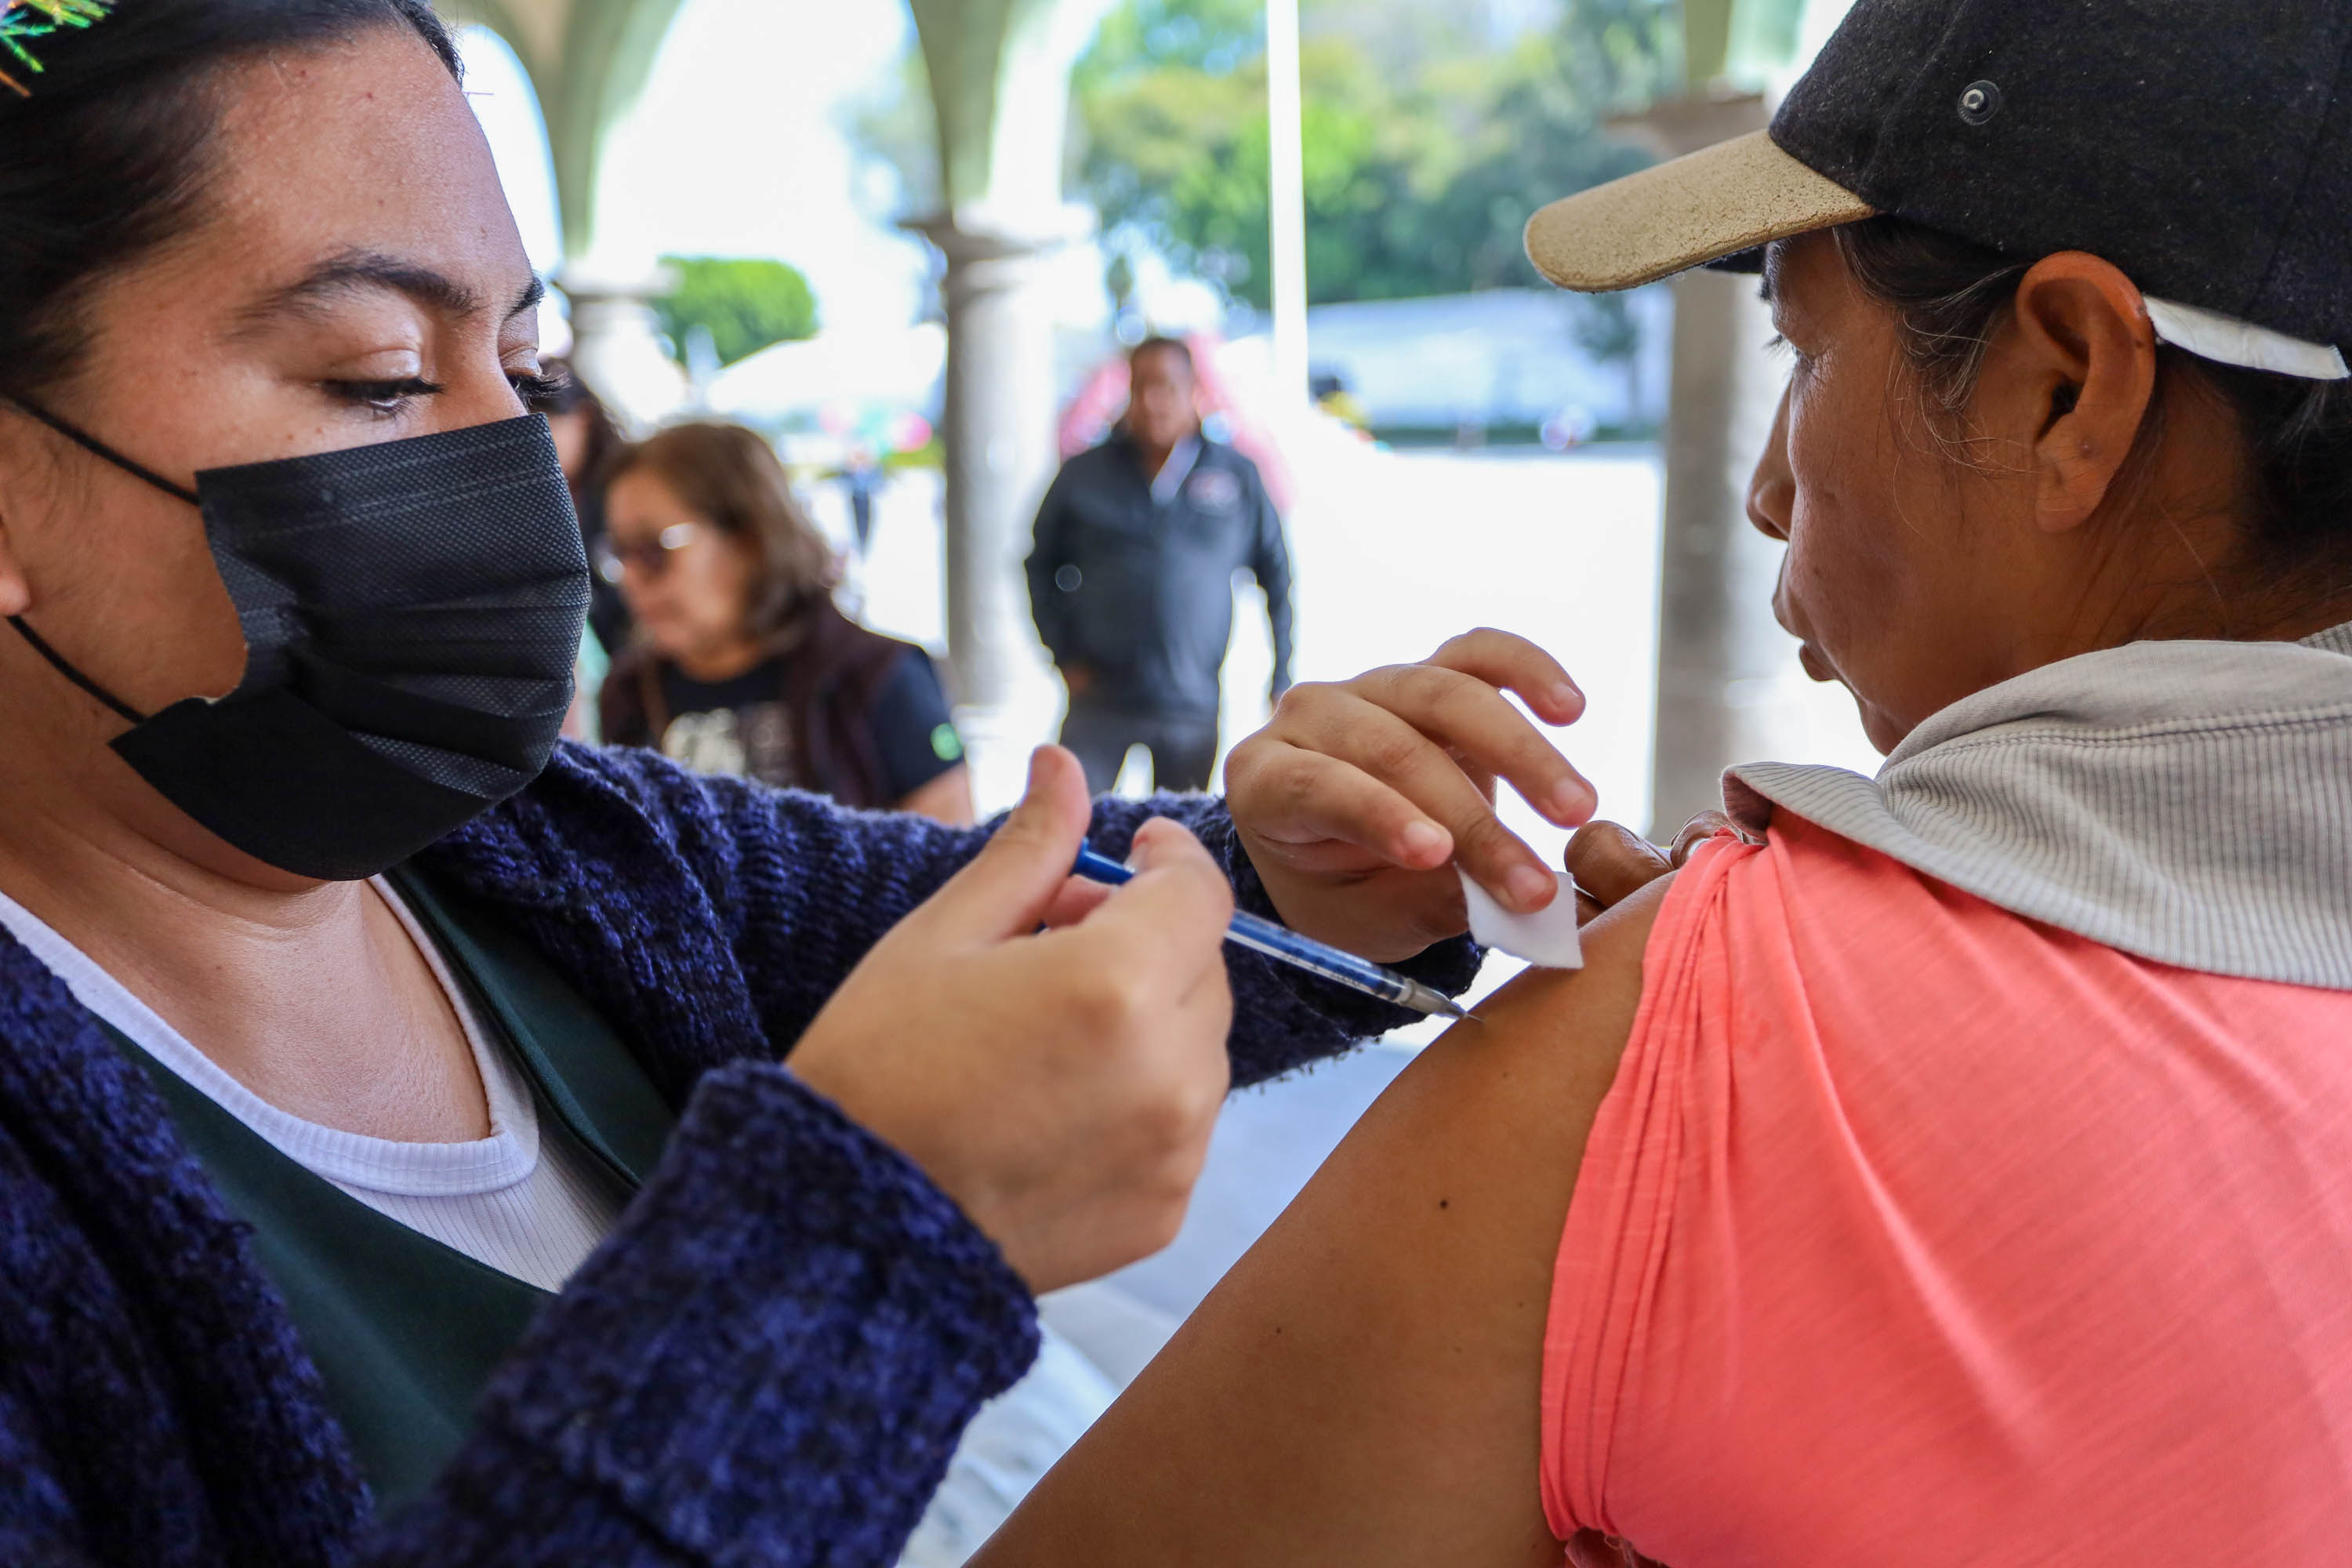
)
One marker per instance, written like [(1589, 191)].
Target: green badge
[(947, 743)]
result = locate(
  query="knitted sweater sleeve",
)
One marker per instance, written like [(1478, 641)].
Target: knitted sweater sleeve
[(769, 1360), (804, 889)]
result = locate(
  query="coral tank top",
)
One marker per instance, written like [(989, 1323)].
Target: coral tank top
[(1915, 1232)]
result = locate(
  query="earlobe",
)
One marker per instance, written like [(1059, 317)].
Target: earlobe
[(16, 593), (15, 588), (2073, 479)]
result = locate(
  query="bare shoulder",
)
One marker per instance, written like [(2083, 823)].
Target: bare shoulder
[(1566, 1027), (1364, 1386)]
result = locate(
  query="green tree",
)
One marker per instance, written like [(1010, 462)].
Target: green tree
[(748, 305), (1605, 329), (1426, 148), (1214, 36), (894, 126)]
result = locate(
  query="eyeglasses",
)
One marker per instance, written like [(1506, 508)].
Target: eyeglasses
[(651, 559)]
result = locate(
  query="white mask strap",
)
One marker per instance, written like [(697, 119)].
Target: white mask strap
[(2211, 335)]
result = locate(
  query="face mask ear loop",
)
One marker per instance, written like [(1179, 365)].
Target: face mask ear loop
[(136, 470), (97, 448), (40, 646)]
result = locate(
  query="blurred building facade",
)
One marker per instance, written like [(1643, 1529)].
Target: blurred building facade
[(1501, 360)]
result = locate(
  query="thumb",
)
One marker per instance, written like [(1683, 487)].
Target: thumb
[(1178, 907), (1009, 888)]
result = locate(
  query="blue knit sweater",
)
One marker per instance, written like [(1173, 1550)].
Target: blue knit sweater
[(767, 1363)]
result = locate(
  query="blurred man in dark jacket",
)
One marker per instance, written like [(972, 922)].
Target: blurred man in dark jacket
[(1131, 579)]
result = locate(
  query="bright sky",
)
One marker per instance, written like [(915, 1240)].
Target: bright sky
[(737, 148)]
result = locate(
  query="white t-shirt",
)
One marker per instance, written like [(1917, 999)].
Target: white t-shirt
[(533, 1214)]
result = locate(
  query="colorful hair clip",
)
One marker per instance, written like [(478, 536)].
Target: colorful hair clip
[(23, 19)]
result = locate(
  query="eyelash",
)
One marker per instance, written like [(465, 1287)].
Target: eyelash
[(538, 392), (1780, 346), (388, 399)]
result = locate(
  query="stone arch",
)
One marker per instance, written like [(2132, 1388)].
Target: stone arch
[(588, 61)]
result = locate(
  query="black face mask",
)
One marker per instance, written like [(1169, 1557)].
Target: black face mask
[(411, 615)]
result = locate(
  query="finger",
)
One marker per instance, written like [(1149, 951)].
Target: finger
[(1012, 884), (1510, 661), (1206, 1015), (1698, 831), (1198, 1022), (1467, 715), (1612, 863), (1307, 797), (1295, 797), (1077, 901), (1207, 1005), (1477, 773), (1170, 920), (1390, 748)]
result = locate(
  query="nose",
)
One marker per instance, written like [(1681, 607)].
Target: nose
[(1772, 489)]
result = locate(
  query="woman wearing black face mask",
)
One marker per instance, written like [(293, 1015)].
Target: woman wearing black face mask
[(395, 1158)]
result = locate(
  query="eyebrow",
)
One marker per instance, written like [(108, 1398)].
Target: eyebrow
[(361, 271)]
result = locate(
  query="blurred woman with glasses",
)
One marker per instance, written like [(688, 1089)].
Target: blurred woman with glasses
[(741, 663)]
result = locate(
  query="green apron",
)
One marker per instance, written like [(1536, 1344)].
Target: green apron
[(405, 1330)]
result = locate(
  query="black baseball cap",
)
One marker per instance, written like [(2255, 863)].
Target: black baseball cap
[(2203, 146)]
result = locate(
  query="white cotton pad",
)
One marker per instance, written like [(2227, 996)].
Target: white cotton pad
[(1547, 939)]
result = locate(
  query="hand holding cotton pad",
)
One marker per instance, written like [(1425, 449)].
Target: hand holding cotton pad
[(1547, 939)]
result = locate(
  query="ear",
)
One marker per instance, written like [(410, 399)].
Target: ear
[(15, 461), (2087, 353)]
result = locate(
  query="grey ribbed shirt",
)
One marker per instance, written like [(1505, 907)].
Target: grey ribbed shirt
[(2186, 802)]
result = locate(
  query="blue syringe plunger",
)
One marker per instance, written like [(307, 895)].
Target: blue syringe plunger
[(1284, 945)]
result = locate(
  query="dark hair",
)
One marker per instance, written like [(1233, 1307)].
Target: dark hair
[(730, 477), (1177, 347), (1948, 297), (107, 154)]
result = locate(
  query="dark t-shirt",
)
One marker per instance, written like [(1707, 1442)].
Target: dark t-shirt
[(741, 726)]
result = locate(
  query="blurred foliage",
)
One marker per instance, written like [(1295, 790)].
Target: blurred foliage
[(749, 305), (1428, 142), (1606, 329), (894, 126)]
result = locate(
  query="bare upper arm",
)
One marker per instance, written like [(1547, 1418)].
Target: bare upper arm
[(1364, 1387)]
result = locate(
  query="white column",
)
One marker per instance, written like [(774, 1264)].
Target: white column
[(1727, 683), (616, 342), (1287, 191), (997, 431), (1728, 687)]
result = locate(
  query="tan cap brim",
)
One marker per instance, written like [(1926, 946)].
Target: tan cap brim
[(1717, 202)]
